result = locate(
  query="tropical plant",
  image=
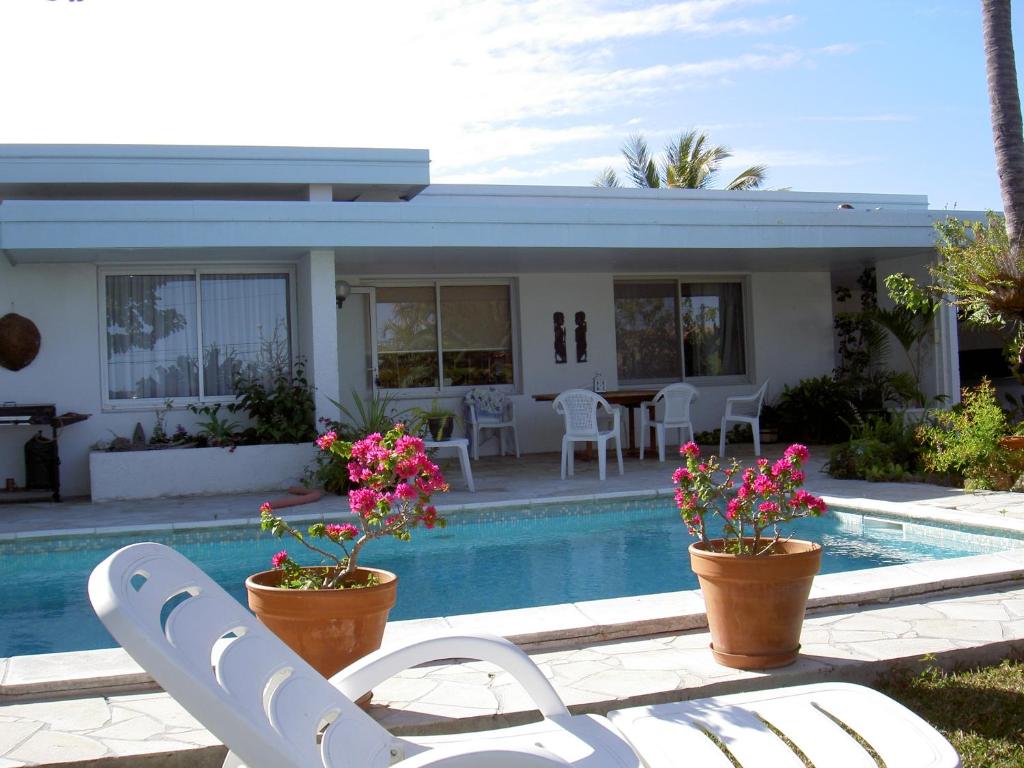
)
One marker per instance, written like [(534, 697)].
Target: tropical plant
[(747, 503), (815, 410), (690, 162), (910, 326), (375, 414), (214, 430), (396, 480), (433, 421), (965, 440), (280, 405), (881, 448)]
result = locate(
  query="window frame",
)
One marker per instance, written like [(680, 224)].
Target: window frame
[(109, 404), (748, 357), (414, 393)]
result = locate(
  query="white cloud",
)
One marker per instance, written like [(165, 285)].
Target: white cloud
[(481, 83)]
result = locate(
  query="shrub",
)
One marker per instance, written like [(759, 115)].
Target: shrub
[(965, 440), (280, 405), (866, 459), (815, 410)]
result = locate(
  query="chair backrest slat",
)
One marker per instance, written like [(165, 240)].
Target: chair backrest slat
[(579, 409), (677, 399)]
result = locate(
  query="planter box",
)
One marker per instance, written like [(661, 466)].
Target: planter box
[(196, 471)]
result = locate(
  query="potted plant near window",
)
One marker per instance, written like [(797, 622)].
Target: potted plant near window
[(334, 613), (436, 422), (755, 583)]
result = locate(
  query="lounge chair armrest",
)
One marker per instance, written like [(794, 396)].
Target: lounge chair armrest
[(361, 676), (477, 753)]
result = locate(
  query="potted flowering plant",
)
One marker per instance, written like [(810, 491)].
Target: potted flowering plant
[(334, 613), (755, 582)]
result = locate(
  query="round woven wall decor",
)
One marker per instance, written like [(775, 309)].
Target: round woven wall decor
[(19, 341)]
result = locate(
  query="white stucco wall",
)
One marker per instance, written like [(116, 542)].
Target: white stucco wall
[(61, 300)]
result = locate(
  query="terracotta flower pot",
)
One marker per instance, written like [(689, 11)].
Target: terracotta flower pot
[(329, 628), (1012, 442), (756, 605)]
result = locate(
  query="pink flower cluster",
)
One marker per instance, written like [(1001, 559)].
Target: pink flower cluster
[(748, 501)]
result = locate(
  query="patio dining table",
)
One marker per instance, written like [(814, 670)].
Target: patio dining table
[(630, 399)]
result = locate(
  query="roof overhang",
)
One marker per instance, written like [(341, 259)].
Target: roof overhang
[(72, 171), (481, 230)]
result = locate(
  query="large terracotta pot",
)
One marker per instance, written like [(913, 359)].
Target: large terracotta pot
[(329, 628), (756, 605)]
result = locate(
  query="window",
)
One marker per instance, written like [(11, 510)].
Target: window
[(188, 335), (669, 329), (444, 336)]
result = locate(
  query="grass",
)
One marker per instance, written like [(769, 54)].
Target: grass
[(980, 711)]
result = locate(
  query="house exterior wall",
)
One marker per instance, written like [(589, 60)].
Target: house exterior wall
[(785, 312)]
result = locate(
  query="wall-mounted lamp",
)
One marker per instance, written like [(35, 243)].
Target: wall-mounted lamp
[(341, 292)]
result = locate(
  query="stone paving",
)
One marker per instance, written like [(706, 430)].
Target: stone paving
[(600, 655)]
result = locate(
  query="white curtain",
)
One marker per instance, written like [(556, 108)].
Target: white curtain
[(245, 329), (151, 336)]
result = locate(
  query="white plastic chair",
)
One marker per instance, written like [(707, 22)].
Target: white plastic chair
[(501, 415), (272, 710), (579, 408), (744, 410), (672, 405)]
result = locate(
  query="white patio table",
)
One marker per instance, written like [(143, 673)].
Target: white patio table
[(461, 445)]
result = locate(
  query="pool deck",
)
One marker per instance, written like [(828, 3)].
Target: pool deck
[(600, 655)]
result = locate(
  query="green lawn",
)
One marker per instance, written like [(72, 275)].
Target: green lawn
[(980, 711)]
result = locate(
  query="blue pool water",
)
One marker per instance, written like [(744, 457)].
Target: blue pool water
[(483, 561)]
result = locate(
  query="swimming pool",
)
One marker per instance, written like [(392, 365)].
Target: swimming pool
[(483, 561)]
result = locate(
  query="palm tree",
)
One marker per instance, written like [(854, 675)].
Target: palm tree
[(690, 162), (1004, 101)]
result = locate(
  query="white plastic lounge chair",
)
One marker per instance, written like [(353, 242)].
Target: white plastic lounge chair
[(579, 407), (272, 710), (744, 410), (489, 409), (671, 411)]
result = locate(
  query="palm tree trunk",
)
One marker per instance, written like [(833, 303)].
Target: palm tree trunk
[(1004, 101)]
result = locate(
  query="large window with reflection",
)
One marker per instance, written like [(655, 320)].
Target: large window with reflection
[(669, 329), (444, 335), (189, 335)]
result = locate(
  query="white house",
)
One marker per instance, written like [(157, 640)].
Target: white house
[(145, 266)]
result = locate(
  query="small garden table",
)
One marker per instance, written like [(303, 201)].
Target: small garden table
[(461, 445)]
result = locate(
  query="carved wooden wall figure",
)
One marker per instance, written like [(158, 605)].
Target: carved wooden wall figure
[(581, 337), (19, 341), (559, 321)]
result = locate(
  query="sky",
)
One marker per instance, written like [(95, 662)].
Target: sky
[(883, 96)]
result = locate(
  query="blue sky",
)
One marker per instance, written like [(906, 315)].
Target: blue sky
[(835, 96)]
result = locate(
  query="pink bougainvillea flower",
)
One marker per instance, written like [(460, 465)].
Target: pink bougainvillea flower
[(279, 559), (363, 501), (344, 532), (326, 440), (265, 508), (690, 449), (797, 451)]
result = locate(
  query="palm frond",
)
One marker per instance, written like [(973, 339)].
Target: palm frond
[(607, 178), (752, 178), (639, 164)]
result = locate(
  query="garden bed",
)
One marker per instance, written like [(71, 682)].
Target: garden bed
[(120, 475)]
